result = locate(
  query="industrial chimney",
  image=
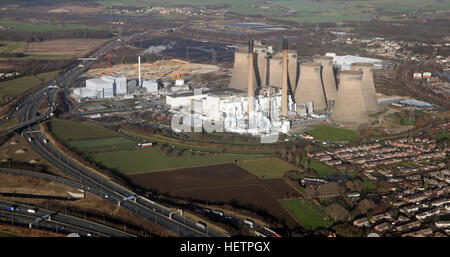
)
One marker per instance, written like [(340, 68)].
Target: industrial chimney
[(250, 78), (261, 64), (368, 87), (309, 86), (139, 70), (284, 88), (328, 79), (292, 70), (349, 106), (239, 75)]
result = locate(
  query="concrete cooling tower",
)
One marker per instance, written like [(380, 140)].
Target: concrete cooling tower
[(261, 63), (239, 76), (349, 106), (292, 70), (368, 88), (309, 86), (276, 71), (328, 79)]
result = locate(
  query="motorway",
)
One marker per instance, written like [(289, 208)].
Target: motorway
[(55, 221), (95, 183)]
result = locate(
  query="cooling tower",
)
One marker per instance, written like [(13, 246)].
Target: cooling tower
[(349, 106), (292, 70), (276, 71), (368, 88), (309, 86), (261, 64), (239, 76), (328, 79)]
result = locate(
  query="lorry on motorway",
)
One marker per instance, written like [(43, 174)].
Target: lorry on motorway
[(10, 208), (31, 210), (217, 212), (249, 222), (201, 225)]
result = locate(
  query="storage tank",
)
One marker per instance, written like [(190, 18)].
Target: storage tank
[(349, 106), (328, 79), (368, 87), (309, 86)]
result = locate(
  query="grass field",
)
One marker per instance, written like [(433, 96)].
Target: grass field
[(369, 185), (305, 213), (329, 133), (267, 168), (129, 162), (11, 46), (322, 169), (17, 86), (5, 234), (103, 144), (307, 10), (41, 27), (442, 136), (67, 130)]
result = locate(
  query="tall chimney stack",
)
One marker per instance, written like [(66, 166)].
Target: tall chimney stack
[(251, 72), (139, 70), (284, 88)]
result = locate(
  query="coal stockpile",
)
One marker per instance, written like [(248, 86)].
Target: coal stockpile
[(187, 49)]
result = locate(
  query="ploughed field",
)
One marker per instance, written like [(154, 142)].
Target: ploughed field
[(221, 183)]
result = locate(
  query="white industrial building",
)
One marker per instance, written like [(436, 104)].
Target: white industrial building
[(150, 85), (104, 87), (230, 108), (345, 62)]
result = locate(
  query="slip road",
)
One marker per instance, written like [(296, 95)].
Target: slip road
[(226, 247)]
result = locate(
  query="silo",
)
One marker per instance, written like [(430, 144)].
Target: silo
[(239, 76), (328, 79), (276, 71), (292, 70), (261, 64), (368, 88), (309, 86), (349, 106)]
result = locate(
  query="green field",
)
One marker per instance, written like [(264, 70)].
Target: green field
[(267, 168), (329, 133), (369, 185), (67, 130), (6, 234), (306, 214), (10, 47), (306, 10), (17, 86), (117, 152), (103, 144), (153, 159), (442, 136), (42, 27), (321, 168)]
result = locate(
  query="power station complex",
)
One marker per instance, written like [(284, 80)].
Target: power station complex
[(269, 91)]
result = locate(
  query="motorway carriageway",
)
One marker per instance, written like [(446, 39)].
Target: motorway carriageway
[(55, 221)]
